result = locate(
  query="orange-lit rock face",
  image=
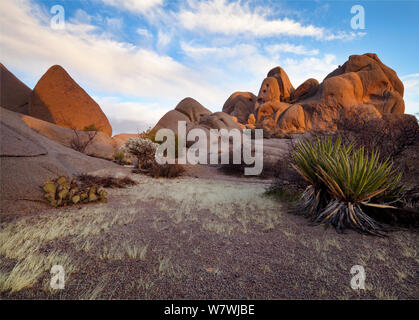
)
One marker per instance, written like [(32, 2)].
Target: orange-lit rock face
[(240, 105), (269, 109), (269, 91), (293, 119), (362, 87), (252, 119), (284, 83), (381, 86), (305, 90), (57, 98), (219, 120)]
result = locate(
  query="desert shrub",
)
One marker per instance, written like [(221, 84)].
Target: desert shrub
[(120, 158), (143, 149), (390, 135), (344, 182), (80, 143), (90, 127), (151, 135), (166, 170), (273, 132)]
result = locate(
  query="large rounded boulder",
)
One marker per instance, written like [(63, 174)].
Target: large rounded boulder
[(307, 89), (240, 105), (192, 109), (269, 91), (381, 86), (284, 83), (57, 98)]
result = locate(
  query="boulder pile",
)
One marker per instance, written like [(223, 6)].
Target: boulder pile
[(362, 87)]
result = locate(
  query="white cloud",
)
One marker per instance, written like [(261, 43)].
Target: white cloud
[(291, 48), (341, 35), (300, 70), (107, 67), (144, 32), (137, 6), (234, 18), (114, 23), (249, 60), (94, 60), (237, 18), (411, 93), (130, 116), (163, 40), (81, 17), (237, 67)]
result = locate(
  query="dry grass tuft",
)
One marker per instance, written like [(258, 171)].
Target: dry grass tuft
[(106, 182)]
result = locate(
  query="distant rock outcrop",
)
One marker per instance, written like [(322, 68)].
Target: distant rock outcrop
[(14, 94), (122, 138), (362, 87), (57, 98), (195, 115)]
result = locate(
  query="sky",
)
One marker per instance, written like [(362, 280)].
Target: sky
[(139, 58)]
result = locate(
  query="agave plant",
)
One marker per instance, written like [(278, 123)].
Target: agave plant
[(344, 183)]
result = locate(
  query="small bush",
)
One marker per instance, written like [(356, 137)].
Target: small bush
[(166, 170), (143, 149), (120, 158), (389, 135), (80, 143), (344, 182), (91, 127), (151, 135)]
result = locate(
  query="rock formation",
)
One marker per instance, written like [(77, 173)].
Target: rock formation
[(57, 98), (102, 146), (14, 94), (28, 159), (305, 90), (240, 105), (196, 116), (285, 87), (362, 87)]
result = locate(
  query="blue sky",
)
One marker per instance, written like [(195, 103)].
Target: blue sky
[(138, 58)]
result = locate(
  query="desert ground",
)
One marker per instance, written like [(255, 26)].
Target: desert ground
[(205, 235)]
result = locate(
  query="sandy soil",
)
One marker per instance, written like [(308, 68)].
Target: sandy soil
[(205, 235)]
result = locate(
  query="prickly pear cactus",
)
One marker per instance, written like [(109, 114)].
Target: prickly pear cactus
[(63, 191)]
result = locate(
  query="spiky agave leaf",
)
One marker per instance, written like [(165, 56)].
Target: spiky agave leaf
[(307, 156), (343, 183)]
